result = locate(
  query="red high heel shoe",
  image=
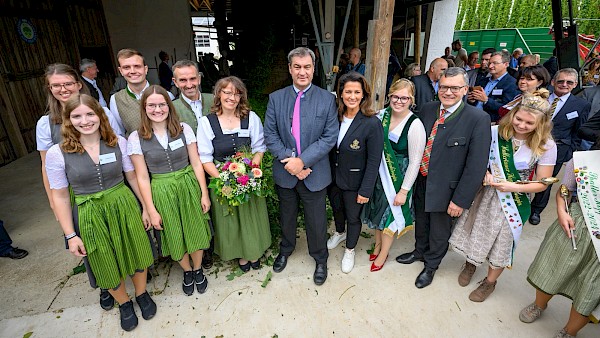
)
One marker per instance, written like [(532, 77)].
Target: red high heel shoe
[(377, 268), (372, 257)]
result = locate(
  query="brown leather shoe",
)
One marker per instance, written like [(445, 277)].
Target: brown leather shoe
[(483, 291), (466, 274)]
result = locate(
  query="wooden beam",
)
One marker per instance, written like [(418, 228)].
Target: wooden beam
[(378, 50), (418, 34), (356, 25), (11, 125)]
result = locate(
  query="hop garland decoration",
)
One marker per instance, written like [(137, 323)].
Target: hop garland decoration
[(238, 179)]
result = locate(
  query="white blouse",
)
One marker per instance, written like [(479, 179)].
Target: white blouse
[(55, 164), (134, 147), (205, 136)]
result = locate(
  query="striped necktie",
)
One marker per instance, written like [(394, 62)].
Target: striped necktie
[(553, 106), (424, 167)]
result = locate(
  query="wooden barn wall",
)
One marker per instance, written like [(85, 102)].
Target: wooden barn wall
[(66, 31)]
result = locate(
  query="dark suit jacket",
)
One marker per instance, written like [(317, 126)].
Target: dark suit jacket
[(475, 75), (319, 128), (592, 95), (93, 91), (355, 163), (424, 91), (590, 131), (459, 156), (564, 130), (509, 88)]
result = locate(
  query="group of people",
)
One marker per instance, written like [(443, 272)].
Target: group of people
[(432, 158), (112, 175)]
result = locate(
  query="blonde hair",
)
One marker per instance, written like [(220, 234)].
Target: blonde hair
[(71, 142), (536, 104), (402, 84)]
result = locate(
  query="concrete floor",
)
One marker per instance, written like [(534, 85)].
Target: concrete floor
[(39, 294)]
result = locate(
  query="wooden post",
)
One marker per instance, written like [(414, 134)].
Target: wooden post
[(378, 50), (356, 24), (418, 35), (10, 122)]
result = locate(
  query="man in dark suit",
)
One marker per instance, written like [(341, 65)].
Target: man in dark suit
[(458, 144), (569, 112), (497, 89), (301, 127), (476, 75), (426, 85), (89, 73)]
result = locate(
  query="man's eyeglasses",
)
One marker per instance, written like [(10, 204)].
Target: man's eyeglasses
[(56, 87), (152, 106), (230, 94), (453, 89), (402, 99), (569, 82), (496, 63)]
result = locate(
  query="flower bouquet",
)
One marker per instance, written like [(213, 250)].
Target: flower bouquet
[(238, 180)]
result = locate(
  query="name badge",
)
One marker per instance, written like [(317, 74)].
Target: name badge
[(244, 133), (107, 158), (497, 92), (521, 165), (596, 76), (572, 115), (393, 137), (176, 144)]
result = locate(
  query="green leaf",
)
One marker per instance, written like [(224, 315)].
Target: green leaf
[(267, 279), (79, 269), (365, 234), (27, 335), (371, 249)]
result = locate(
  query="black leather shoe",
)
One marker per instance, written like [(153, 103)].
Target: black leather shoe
[(408, 258), (425, 278), (15, 253), (207, 260), (255, 265), (534, 218), (280, 263), (320, 275), (107, 302), (244, 267)]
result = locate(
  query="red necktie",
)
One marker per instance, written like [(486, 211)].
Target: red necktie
[(296, 122), (424, 168)]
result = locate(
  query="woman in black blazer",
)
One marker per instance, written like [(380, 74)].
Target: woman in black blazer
[(354, 161)]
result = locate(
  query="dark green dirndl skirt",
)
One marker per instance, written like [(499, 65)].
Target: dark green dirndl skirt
[(110, 223), (177, 198)]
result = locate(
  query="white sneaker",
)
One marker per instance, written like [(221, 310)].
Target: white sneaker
[(348, 260), (335, 239)]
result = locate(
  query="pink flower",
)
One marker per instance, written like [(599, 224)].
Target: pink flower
[(257, 172), (233, 167), (226, 165), (243, 180)]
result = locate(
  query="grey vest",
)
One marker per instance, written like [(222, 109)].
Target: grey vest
[(55, 132), (87, 177), (160, 160), (129, 111)]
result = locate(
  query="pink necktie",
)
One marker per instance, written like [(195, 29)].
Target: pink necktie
[(296, 122)]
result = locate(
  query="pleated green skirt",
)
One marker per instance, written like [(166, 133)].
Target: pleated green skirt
[(242, 231), (559, 270), (177, 198), (110, 223)]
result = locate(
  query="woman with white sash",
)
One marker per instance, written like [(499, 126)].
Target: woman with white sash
[(521, 146), (560, 269), (389, 211)]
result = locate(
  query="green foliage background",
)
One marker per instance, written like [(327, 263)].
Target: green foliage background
[(493, 14)]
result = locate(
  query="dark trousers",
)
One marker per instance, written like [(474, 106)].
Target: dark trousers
[(540, 200), (346, 210), (5, 241), (315, 219), (432, 229)]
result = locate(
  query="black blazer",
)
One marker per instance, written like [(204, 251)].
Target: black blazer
[(424, 91), (564, 129), (459, 156), (355, 163), (509, 88), (93, 91)]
